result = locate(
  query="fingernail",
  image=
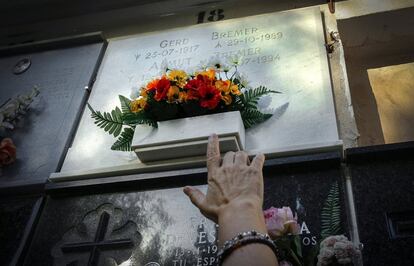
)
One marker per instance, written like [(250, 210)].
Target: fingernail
[(186, 189)]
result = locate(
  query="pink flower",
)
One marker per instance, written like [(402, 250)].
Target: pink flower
[(7, 152), (337, 248), (280, 222), (285, 263)]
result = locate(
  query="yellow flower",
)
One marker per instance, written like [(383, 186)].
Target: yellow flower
[(227, 99), (178, 76), (144, 93), (172, 93), (138, 105)]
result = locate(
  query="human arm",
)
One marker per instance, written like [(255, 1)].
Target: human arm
[(234, 200)]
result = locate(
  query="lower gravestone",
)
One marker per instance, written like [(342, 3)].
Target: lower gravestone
[(43, 134), (383, 188), (162, 227), (16, 220)]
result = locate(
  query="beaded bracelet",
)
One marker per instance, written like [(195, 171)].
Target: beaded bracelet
[(243, 239)]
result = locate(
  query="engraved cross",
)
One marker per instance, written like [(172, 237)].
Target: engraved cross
[(99, 244)]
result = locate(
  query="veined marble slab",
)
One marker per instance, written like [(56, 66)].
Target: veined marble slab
[(283, 51)]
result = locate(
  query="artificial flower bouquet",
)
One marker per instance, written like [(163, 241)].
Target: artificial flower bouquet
[(283, 228), (178, 94), (337, 250), (334, 249), (15, 108), (11, 111)]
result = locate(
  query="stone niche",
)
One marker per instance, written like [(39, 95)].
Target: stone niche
[(43, 135), (278, 52), (379, 55), (383, 189)]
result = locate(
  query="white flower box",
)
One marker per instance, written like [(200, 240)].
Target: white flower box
[(188, 137)]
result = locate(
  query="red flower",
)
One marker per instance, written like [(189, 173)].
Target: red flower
[(210, 96), (162, 88), (152, 85), (7, 152), (201, 88), (205, 79), (193, 86)]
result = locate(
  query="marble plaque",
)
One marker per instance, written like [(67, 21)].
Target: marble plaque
[(283, 51), (162, 227), (42, 136)]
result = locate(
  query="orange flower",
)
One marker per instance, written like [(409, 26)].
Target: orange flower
[(226, 87), (209, 73), (223, 86), (182, 96), (227, 99), (172, 93), (234, 88), (152, 85)]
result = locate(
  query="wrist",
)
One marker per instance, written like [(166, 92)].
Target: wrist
[(238, 208), (240, 216)]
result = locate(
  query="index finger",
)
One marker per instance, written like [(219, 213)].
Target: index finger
[(213, 152), (258, 161)]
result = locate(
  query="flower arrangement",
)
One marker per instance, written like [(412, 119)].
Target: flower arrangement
[(334, 249), (10, 112), (178, 94), (15, 108)]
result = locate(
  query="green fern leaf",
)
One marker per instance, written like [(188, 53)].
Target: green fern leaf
[(133, 119), (124, 141), (110, 122), (125, 104), (252, 117), (331, 213), (251, 97)]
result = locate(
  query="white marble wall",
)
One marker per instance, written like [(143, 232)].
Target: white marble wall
[(284, 51)]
